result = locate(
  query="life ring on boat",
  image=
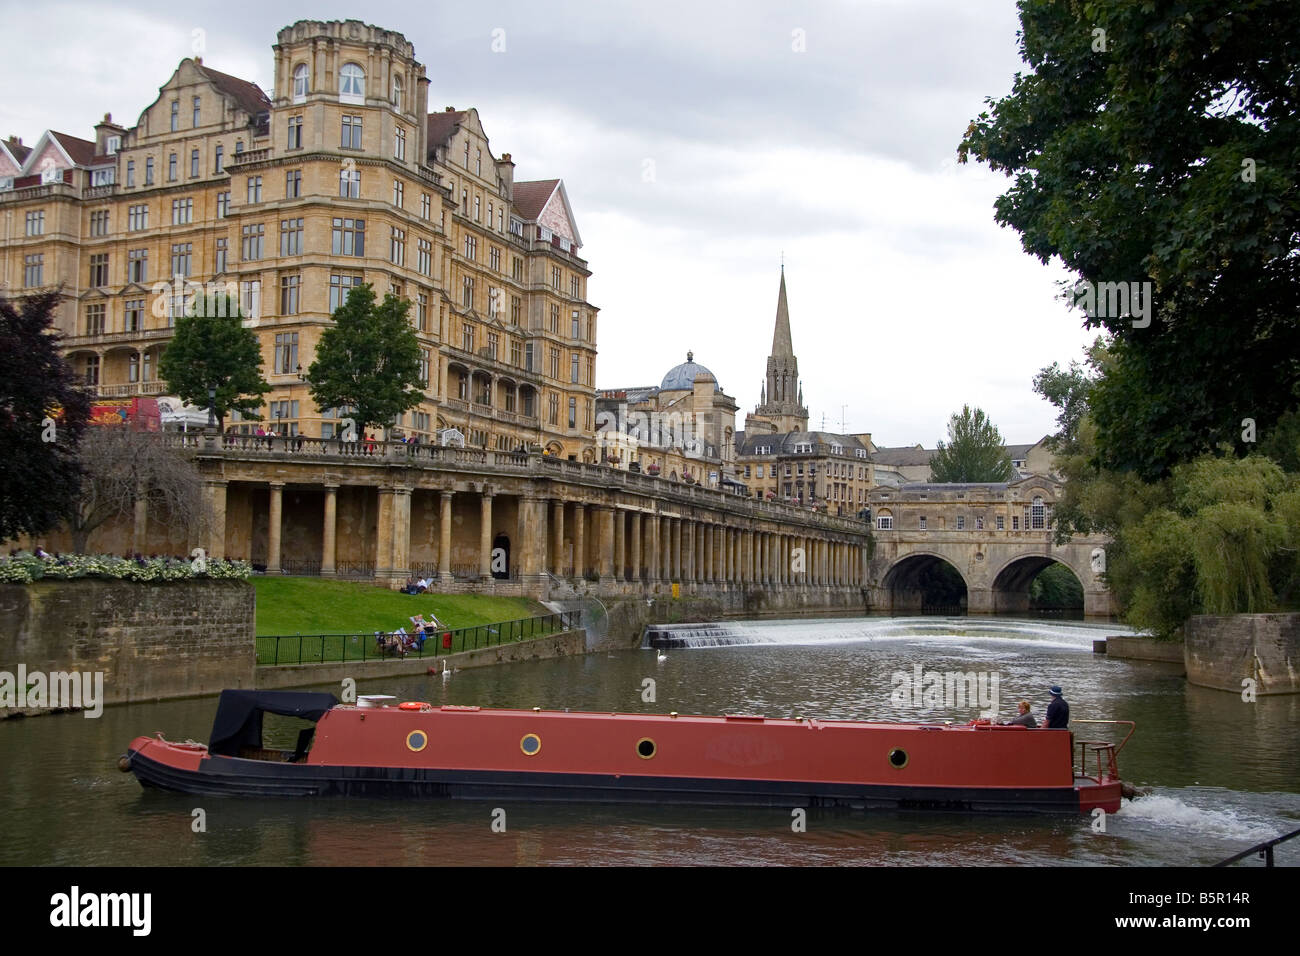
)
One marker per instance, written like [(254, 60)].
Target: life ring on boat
[(411, 705)]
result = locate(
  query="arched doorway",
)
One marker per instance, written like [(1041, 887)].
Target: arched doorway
[(1038, 583), (501, 557), (926, 584)]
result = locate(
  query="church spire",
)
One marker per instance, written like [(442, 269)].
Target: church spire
[(781, 345)]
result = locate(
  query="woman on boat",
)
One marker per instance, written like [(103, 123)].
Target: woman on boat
[(1025, 717)]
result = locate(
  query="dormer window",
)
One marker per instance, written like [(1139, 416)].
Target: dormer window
[(113, 144), (300, 83), (352, 84)]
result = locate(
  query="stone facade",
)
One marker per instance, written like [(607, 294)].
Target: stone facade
[(1226, 651), (151, 641), (997, 536), (682, 430), (340, 175), (500, 522)]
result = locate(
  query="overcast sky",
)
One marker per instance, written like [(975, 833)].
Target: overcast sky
[(697, 145)]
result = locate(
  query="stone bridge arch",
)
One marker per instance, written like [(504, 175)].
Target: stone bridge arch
[(996, 573), (1010, 583), (921, 580)]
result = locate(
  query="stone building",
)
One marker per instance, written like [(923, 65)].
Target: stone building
[(778, 458), (982, 507), (289, 198), (683, 429)]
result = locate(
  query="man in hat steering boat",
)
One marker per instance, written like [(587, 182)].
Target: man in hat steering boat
[(1058, 711)]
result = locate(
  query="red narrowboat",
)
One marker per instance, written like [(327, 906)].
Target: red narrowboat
[(451, 751)]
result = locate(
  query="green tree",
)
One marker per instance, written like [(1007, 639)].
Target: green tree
[(368, 360), (1160, 143), (975, 451), (211, 347), (43, 413)]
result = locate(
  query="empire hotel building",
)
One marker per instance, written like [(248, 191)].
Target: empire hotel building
[(341, 176)]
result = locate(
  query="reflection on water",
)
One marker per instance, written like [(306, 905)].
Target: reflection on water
[(1225, 774)]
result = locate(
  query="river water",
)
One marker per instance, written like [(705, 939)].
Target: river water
[(1224, 773)]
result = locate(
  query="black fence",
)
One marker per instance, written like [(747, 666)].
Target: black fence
[(389, 645)]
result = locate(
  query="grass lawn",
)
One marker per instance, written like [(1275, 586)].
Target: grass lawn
[(288, 605)]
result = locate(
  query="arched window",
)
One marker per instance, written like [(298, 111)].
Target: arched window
[(397, 93), (352, 84), (300, 83), (884, 520), (1037, 514)]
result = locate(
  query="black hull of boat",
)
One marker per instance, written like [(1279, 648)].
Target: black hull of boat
[(233, 777)]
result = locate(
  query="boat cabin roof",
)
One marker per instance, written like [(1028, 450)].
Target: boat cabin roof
[(238, 722)]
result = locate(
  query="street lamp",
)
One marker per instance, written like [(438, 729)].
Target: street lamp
[(212, 407)]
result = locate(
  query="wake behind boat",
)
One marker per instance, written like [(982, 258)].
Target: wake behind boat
[(420, 750)]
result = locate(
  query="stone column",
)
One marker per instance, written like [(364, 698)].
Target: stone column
[(674, 549), (655, 554), (688, 550), (400, 563), (273, 529), (444, 537), (532, 557), (620, 545), (606, 544), (217, 516), (747, 556), (634, 546), (710, 553), (579, 540), (329, 532), (557, 536), (485, 536)]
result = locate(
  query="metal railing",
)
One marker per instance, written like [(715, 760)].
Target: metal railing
[(1104, 751), (1265, 850), (381, 645)]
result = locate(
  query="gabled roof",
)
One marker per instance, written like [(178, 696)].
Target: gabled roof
[(903, 456), (784, 443), (247, 96), (74, 150), (442, 126), (80, 151), (15, 150), (531, 197)]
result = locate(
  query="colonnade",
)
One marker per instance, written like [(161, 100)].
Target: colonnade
[(613, 543)]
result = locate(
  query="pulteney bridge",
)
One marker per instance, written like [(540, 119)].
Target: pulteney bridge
[(996, 536)]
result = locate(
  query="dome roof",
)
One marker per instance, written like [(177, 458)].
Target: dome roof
[(683, 376)]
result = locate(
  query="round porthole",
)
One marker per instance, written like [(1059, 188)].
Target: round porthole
[(645, 748), (417, 740), (531, 744), (898, 758)]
